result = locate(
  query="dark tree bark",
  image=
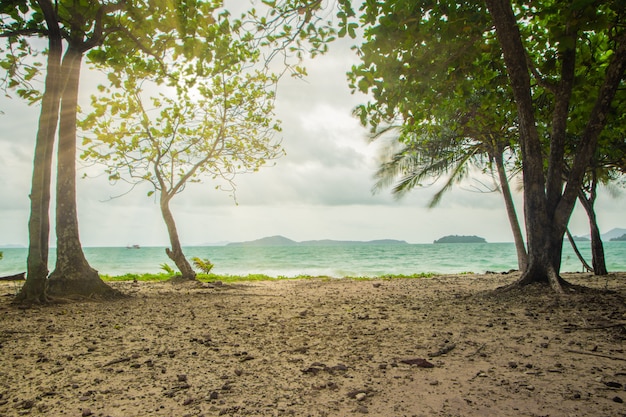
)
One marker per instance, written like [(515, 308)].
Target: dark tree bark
[(34, 289), (576, 251), (520, 247), (547, 208), (540, 232), (597, 248), (176, 252), (73, 275)]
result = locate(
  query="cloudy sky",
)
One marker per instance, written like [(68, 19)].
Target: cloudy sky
[(320, 190)]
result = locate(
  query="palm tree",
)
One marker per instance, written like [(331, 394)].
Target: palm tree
[(440, 151)]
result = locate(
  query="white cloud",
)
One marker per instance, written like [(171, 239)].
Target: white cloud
[(320, 189)]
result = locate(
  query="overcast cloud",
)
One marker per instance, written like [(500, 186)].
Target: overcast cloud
[(320, 189)]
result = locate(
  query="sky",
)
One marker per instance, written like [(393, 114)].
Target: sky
[(321, 189)]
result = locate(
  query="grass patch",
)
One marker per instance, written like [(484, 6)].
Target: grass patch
[(164, 276), (411, 276)]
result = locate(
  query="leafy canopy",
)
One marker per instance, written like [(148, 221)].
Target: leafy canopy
[(194, 108)]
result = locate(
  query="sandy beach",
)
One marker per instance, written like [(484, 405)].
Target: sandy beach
[(442, 346)]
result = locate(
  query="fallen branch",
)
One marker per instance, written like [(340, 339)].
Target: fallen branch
[(600, 355), (116, 361), (443, 350), (477, 351), (600, 327)]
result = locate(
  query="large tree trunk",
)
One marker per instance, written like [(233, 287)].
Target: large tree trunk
[(176, 252), (597, 248), (34, 289), (542, 236), (520, 247), (72, 275)]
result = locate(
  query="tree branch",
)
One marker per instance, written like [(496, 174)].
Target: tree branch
[(597, 121)]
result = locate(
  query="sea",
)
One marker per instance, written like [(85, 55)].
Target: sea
[(346, 260)]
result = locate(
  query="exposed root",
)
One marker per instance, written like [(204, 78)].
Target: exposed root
[(179, 279), (551, 278)]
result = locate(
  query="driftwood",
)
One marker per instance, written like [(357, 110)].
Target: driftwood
[(17, 277), (599, 355)]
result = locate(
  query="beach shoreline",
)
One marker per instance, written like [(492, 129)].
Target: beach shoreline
[(446, 345)]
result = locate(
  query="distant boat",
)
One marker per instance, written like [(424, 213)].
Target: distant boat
[(133, 247)]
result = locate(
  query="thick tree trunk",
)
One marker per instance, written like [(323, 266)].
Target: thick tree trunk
[(544, 261), (597, 248), (34, 289), (540, 232), (544, 236), (72, 275), (520, 247), (176, 252)]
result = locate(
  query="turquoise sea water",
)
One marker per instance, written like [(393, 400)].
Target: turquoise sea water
[(334, 261)]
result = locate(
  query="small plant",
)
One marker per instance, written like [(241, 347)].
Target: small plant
[(202, 264), (167, 268)]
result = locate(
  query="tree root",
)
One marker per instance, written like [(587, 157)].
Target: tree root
[(179, 279), (554, 280)]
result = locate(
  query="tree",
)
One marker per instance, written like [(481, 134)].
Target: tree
[(548, 201), (84, 26), (606, 167), (446, 121), (453, 154), (217, 122), (84, 29), (446, 45), (15, 28)]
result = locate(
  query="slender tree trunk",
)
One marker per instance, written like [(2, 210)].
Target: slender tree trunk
[(577, 252), (520, 247), (597, 248), (176, 252), (34, 289), (72, 275)]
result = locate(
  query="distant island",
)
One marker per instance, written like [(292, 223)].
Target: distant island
[(614, 235), (283, 241), (460, 239)]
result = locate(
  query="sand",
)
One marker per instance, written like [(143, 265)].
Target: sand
[(443, 346)]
